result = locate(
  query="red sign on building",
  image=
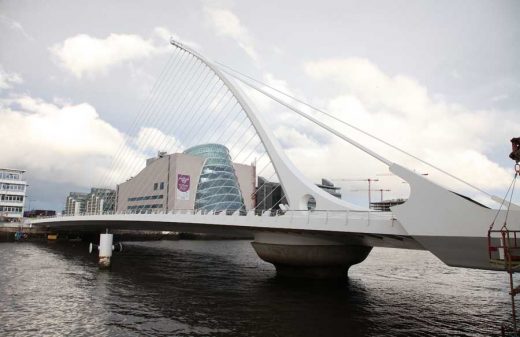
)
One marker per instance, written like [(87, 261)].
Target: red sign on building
[(183, 186)]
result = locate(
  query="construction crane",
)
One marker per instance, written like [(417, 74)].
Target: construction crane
[(374, 190), (369, 180)]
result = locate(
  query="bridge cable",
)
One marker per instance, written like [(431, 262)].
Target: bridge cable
[(188, 79), (162, 98), (144, 115), (240, 138), (209, 94), (510, 199), (511, 186), (143, 107), (230, 71), (161, 102), (194, 87)]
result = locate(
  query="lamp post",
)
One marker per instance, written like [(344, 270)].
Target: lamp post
[(29, 199)]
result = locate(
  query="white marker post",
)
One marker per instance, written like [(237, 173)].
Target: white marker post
[(105, 249)]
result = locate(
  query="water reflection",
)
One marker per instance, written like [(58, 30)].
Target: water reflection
[(220, 288)]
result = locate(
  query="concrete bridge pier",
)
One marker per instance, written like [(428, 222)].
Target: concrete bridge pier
[(296, 255)]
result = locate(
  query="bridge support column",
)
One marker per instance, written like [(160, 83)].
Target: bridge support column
[(105, 250), (296, 255)]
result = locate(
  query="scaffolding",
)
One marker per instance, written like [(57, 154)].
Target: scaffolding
[(503, 243), (504, 250)]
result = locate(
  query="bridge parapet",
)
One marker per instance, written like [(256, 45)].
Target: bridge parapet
[(315, 220)]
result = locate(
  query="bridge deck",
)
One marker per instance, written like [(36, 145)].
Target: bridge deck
[(363, 228)]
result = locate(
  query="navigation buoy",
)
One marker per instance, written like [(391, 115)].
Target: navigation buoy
[(105, 249)]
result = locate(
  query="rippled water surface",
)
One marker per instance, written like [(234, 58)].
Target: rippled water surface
[(221, 288)]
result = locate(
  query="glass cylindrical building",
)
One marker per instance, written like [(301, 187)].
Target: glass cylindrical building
[(218, 187)]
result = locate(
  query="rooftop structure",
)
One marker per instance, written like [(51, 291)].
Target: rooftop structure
[(329, 187), (384, 206), (38, 213)]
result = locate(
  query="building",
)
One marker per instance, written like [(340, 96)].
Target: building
[(12, 194), (202, 178), (98, 201), (329, 187), (75, 203), (218, 188), (384, 206), (269, 195)]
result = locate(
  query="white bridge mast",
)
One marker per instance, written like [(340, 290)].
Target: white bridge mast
[(298, 190)]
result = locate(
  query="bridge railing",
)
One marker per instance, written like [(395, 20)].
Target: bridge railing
[(333, 216), (324, 217)]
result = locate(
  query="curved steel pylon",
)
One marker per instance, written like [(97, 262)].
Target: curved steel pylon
[(298, 189)]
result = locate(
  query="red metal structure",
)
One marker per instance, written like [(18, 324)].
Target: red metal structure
[(503, 243)]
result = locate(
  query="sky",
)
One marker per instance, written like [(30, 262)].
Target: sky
[(440, 79)]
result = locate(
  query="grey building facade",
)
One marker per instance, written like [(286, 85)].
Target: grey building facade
[(202, 178), (12, 194), (98, 201)]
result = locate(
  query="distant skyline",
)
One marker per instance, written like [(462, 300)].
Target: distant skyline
[(438, 78)]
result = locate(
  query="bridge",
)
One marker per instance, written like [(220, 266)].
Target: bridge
[(327, 240)]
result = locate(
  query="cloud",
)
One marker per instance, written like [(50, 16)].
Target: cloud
[(8, 79), (68, 143), (15, 25), (402, 111), (228, 24), (401, 94), (86, 55), (499, 98), (152, 140)]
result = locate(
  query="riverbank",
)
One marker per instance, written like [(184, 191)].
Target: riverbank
[(9, 234)]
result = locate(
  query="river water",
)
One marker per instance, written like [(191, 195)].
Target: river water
[(221, 288)]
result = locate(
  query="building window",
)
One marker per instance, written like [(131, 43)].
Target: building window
[(11, 197), (11, 209), (12, 187), (140, 208), (148, 197), (10, 176), (155, 186), (162, 185)]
